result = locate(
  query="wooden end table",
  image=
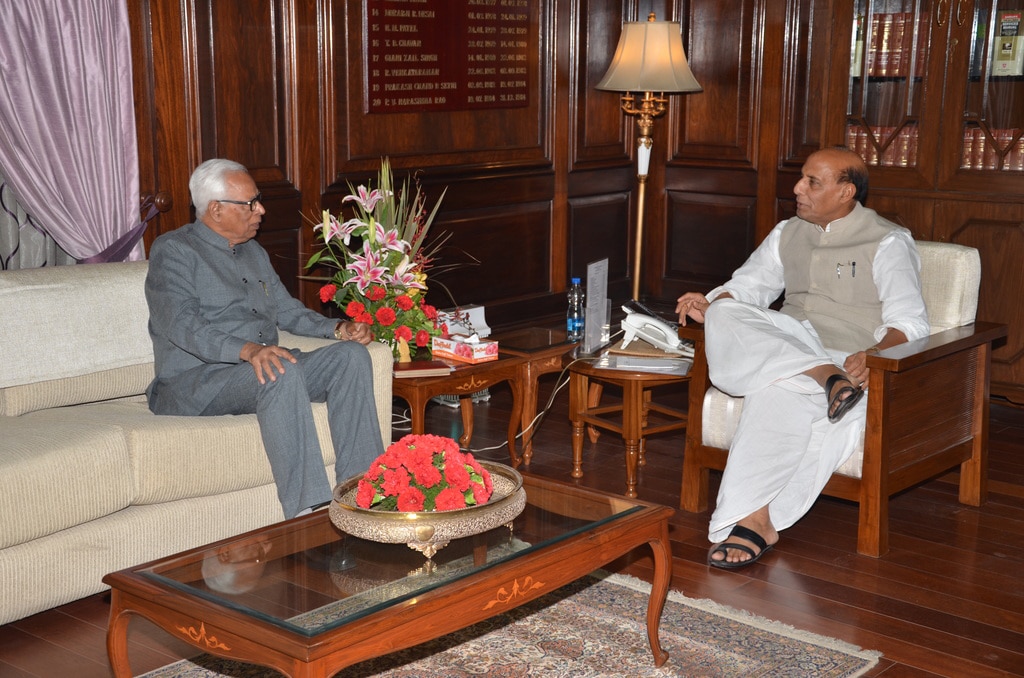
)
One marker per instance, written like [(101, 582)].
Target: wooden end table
[(631, 419), (542, 350), (308, 600), (465, 380)]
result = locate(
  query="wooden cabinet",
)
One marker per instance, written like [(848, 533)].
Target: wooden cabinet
[(923, 91)]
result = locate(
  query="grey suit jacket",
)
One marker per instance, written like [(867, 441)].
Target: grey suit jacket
[(206, 300)]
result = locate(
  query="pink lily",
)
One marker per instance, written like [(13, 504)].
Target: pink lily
[(367, 269), (348, 228), (389, 240), (406, 275), (366, 199)]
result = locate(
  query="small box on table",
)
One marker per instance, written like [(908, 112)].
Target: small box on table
[(465, 349)]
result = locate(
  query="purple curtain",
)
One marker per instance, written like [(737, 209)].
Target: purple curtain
[(67, 124)]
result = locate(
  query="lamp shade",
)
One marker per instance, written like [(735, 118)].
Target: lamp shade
[(650, 58)]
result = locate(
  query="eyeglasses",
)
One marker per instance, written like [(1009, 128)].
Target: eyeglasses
[(250, 203)]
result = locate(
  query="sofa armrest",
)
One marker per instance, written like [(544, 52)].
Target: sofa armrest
[(915, 353), (383, 369)]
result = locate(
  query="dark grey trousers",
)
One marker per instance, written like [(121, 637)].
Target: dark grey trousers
[(340, 374)]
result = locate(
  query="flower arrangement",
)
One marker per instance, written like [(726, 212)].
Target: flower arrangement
[(424, 473), (381, 263)]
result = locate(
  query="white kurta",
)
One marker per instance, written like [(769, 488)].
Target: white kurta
[(785, 448)]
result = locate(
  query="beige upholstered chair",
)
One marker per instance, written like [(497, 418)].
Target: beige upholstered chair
[(927, 405)]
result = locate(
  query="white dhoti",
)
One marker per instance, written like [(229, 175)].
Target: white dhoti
[(785, 448)]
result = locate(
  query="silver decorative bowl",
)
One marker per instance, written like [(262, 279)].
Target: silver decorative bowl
[(430, 531)]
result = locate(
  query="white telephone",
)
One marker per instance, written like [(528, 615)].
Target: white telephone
[(654, 331)]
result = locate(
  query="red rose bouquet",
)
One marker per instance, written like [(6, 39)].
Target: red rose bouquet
[(424, 473)]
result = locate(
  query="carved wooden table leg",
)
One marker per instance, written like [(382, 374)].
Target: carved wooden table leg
[(659, 593), (577, 404), (632, 430), (117, 637)]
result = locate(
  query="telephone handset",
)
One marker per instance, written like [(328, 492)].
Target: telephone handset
[(654, 331)]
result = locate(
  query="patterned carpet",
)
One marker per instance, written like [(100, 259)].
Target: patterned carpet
[(596, 627)]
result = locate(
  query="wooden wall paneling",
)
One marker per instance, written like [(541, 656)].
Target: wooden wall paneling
[(601, 168), (506, 137), (914, 214), (498, 162), (802, 125), (313, 68), (997, 231), (247, 85), (602, 135), (597, 225), (513, 249), (711, 236), (712, 146), (165, 108)]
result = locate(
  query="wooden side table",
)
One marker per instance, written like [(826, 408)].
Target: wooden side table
[(631, 419), (542, 350), (464, 381)]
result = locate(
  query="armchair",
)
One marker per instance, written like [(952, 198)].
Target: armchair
[(927, 405)]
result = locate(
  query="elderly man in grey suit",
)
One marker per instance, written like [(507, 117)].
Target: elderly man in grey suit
[(215, 306)]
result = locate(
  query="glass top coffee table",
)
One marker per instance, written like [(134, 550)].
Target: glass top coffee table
[(308, 600)]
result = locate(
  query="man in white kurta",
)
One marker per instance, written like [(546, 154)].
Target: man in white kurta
[(852, 285)]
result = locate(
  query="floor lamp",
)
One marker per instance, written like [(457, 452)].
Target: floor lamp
[(649, 59)]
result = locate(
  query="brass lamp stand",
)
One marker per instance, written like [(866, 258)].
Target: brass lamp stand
[(649, 58)]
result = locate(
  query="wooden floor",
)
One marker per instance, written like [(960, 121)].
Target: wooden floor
[(947, 600)]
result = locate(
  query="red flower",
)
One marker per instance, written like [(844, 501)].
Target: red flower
[(364, 318), (456, 474), (411, 500), (365, 494), (423, 473), (386, 316), (480, 493), (404, 302), (423, 338), (429, 311), (327, 292), (403, 332), (396, 481), (354, 309), (376, 293), (426, 475), (445, 334), (449, 499)]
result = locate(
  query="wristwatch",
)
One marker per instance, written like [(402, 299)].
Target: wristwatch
[(337, 331)]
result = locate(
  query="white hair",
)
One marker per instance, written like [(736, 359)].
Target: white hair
[(208, 182)]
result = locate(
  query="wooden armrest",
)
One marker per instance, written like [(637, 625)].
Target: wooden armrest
[(691, 332), (915, 353)]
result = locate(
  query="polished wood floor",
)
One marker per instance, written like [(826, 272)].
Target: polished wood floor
[(946, 601)]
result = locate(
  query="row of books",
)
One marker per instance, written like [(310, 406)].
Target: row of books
[(1000, 149), (885, 146), (894, 45)]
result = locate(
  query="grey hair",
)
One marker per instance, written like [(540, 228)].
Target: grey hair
[(208, 182)]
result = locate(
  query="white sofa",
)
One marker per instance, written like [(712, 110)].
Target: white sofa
[(92, 482)]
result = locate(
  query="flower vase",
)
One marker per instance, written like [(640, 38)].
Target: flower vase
[(403, 351)]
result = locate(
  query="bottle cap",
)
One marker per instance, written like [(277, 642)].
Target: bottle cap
[(575, 281)]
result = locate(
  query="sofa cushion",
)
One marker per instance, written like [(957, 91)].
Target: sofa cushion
[(78, 320), (119, 382), (721, 416), (58, 472), (172, 458)]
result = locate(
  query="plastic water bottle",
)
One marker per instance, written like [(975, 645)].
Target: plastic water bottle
[(574, 316)]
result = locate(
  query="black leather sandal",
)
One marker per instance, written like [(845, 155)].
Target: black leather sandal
[(837, 405), (742, 533)]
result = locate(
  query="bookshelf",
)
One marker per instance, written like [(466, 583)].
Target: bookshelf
[(931, 94)]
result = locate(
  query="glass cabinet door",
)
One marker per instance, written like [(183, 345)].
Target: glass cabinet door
[(894, 87), (986, 97)]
